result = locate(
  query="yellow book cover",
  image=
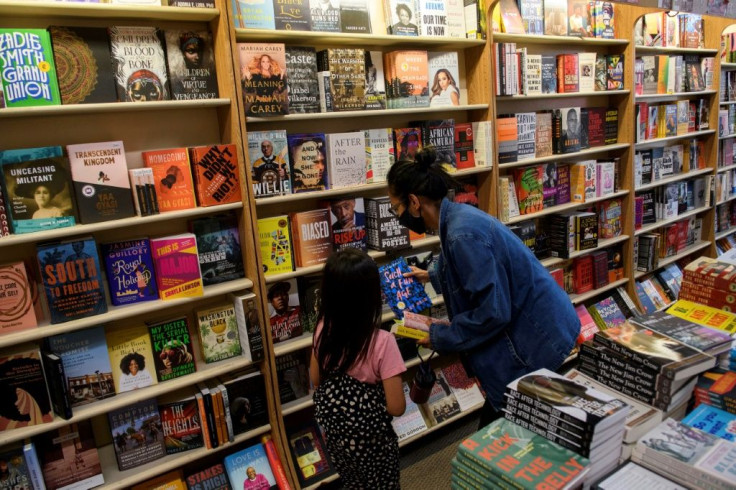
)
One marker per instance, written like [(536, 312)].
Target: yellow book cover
[(275, 241), (663, 65), (400, 330), (704, 315), (131, 357), (173, 480), (577, 183)]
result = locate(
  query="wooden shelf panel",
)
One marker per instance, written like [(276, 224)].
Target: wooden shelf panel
[(566, 156), (553, 261), (503, 37), (659, 141), (116, 479), (726, 168), (363, 114), (674, 258), (512, 98), (101, 407), (675, 178), (564, 207), (672, 50), (665, 222), (728, 199), (297, 405), (728, 102), (63, 233), (97, 10), (579, 298), (727, 136), (121, 312), (723, 234), (111, 107), (439, 426), (673, 96)]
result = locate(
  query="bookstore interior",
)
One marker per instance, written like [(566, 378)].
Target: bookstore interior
[(237, 144)]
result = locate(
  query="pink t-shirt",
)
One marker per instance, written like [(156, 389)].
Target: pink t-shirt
[(382, 362)]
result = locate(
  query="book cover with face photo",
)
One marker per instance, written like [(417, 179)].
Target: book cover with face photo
[(284, 310), (308, 152), (135, 47), (263, 77), (191, 62)]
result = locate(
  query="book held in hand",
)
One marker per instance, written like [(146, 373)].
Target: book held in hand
[(402, 293)]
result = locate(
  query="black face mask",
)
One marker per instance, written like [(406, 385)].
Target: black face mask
[(414, 223)]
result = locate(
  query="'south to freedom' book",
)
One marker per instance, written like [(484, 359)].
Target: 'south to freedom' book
[(218, 333), (308, 450), (72, 279), (216, 174), (83, 68), (238, 463), (308, 157), (129, 267), (402, 293), (23, 388), (269, 160), (210, 478), (171, 343), (18, 298), (68, 457), (191, 62), (38, 194), (84, 355), (134, 47), (27, 68), (137, 435), (218, 248), (173, 178), (176, 263), (101, 184), (131, 357), (181, 425), (263, 77)]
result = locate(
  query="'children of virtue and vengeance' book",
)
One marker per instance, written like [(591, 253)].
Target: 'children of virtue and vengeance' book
[(173, 178), (129, 267), (308, 157), (218, 333), (38, 194), (137, 435), (216, 174), (264, 79), (68, 457), (84, 355), (181, 425), (191, 62), (176, 263), (284, 310), (218, 247), (27, 68), (101, 184), (131, 357), (18, 298), (171, 343), (139, 63), (72, 279), (275, 242), (269, 160), (402, 293), (23, 391)]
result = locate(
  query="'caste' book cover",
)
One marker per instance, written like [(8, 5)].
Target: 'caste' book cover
[(218, 333), (18, 297), (72, 279), (172, 348), (181, 425), (216, 174), (191, 62), (173, 178), (275, 242), (24, 399), (131, 357), (264, 79), (129, 267), (139, 63), (69, 458), (301, 64), (218, 247), (101, 184), (137, 435), (176, 263), (269, 161), (402, 293), (27, 68), (86, 364)]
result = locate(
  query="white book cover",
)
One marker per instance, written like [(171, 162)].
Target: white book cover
[(586, 72), (379, 154), (433, 18), (444, 78), (526, 124), (412, 422), (346, 154), (455, 18), (402, 17), (483, 143), (513, 201), (533, 74), (605, 174)]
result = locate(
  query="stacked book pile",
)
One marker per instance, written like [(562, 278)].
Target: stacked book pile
[(570, 414), (717, 388), (688, 456), (505, 455), (710, 282)]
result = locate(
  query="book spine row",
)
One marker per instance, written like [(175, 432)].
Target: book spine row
[(549, 426), (612, 382), (629, 354), (684, 472), (583, 451), (478, 462), (540, 405), (644, 374), (488, 475), (574, 431)]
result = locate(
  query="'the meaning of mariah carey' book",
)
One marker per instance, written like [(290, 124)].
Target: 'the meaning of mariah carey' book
[(263, 78)]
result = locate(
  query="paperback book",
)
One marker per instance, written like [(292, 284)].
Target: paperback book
[(23, 390), (139, 63), (218, 248), (176, 263), (171, 343), (131, 357), (402, 293), (129, 268), (68, 457), (137, 434)]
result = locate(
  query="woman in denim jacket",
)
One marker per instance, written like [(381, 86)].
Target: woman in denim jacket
[(509, 317)]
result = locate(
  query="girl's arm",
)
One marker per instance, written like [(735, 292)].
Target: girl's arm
[(395, 402), (314, 371)]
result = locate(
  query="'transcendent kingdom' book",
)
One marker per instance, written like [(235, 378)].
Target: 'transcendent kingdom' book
[(176, 263), (171, 343), (27, 68), (131, 357), (137, 434), (172, 177), (25, 399), (216, 174), (191, 63), (133, 48), (129, 267)]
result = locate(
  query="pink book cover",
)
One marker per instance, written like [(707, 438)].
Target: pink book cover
[(176, 262), (17, 310)]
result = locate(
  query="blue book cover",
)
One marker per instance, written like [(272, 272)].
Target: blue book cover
[(72, 280), (250, 464), (253, 14), (18, 155), (86, 364), (713, 420), (402, 293), (129, 268), (644, 299), (218, 248)]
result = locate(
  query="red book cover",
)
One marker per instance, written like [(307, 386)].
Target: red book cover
[(181, 425), (596, 126), (173, 178), (582, 274), (567, 73), (176, 263), (464, 155), (528, 182), (311, 236), (216, 174)]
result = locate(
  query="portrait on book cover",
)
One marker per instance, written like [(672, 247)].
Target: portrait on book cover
[(309, 162), (263, 77), (191, 64), (39, 191), (284, 310)]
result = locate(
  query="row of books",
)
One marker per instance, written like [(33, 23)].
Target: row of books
[(670, 29), (711, 282), (655, 164), (667, 74), (284, 163), (725, 219), (579, 18), (725, 152), (114, 64), (520, 73), (665, 120), (164, 268), (529, 135), (727, 122), (398, 17), (671, 200), (668, 241), (42, 189)]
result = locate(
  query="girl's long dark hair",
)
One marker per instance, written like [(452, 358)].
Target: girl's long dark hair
[(350, 310), (423, 176)]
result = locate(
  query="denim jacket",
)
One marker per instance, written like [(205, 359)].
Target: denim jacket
[(509, 316)]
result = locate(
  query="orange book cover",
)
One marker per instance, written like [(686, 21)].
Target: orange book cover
[(172, 176), (568, 73), (17, 291), (663, 65), (577, 183), (216, 174), (311, 236)]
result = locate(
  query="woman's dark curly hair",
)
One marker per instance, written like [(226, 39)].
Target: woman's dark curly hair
[(125, 362)]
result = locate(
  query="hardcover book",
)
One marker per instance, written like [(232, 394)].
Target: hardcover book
[(18, 298), (101, 184), (284, 310), (294, 16), (412, 421), (383, 230), (464, 154), (543, 137), (129, 267), (216, 174), (249, 325), (355, 16), (310, 299), (303, 89), (218, 248), (439, 134), (172, 348), (293, 376), (275, 244), (444, 76), (311, 235), (17, 470), (83, 68), (713, 420), (253, 459), (84, 354), (68, 457), (407, 78), (347, 159), (139, 63), (324, 15), (347, 77), (402, 17), (136, 434), (176, 262), (308, 449), (269, 161), (172, 174), (263, 77), (172, 480), (375, 80), (256, 14), (308, 156), (38, 194), (24, 392), (508, 143), (347, 220), (528, 182), (131, 357), (27, 69), (246, 393), (182, 428), (526, 124), (408, 142), (72, 279), (379, 154), (219, 338), (191, 62), (144, 191), (402, 293), (211, 478)]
